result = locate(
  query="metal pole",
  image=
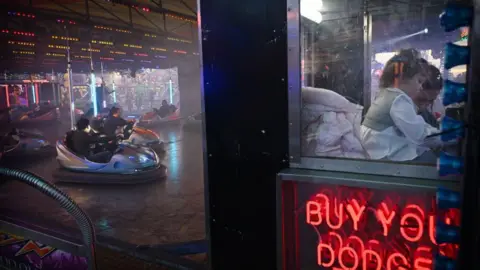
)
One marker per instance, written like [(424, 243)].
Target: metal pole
[(312, 56), (104, 102), (70, 82), (53, 89), (367, 58), (93, 92)]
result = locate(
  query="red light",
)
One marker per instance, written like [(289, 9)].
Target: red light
[(359, 228)]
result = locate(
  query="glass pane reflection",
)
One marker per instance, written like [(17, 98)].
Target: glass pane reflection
[(375, 94)]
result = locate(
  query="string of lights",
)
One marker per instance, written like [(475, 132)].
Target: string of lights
[(90, 50), (18, 33), (180, 18), (66, 21), (65, 38), (132, 46), (118, 52), (23, 52), (55, 54), (150, 35), (21, 14), (102, 42), (21, 43), (179, 40), (60, 47), (158, 49)]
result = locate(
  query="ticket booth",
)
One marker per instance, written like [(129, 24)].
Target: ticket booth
[(296, 137), (353, 198)]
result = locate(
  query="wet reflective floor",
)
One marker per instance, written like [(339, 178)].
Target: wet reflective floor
[(162, 212)]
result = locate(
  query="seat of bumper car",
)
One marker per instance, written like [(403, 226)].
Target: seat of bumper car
[(69, 140)]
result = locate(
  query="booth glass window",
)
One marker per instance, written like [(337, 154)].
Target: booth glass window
[(372, 78)]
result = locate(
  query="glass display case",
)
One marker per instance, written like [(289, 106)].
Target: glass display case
[(365, 84)]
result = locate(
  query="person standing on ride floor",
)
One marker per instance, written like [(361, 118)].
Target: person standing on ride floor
[(15, 96), (129, 99), (152, 97), (139, 100), (392, 128)]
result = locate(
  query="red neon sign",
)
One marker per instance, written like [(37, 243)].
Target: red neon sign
[(346, 228)]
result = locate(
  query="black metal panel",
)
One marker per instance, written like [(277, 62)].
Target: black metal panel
[(469, 245), (245, 101)]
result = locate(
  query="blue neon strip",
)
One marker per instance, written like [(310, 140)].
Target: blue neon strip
[(33, 94), (93, 94), (171, 91)]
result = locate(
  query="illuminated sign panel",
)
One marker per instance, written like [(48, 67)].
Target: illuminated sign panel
[(336, 227), (17, 252)]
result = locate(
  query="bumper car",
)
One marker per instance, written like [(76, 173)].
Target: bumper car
[(128, 164), (153, 119), (193, 122), (38, 115), (25, 144), (134, 134)]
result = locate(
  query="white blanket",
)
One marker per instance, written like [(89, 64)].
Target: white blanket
[(332, 124)]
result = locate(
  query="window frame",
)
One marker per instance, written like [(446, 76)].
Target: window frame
[(295, 111)]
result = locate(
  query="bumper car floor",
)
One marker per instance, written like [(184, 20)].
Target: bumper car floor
[(161, 212)]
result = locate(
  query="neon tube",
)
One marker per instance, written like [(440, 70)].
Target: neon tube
[(36, 93), (170, 86), (7, 95), (33, 94), (114, 93), (93, 94)]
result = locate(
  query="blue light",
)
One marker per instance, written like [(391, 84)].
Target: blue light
[(444, 263), (455, 128), (33, 94), (447, 234), (93, 94), (114, 93), (450, 165), (456, 16), (454, 92), (170, 88), (447, 199), (456, 55)]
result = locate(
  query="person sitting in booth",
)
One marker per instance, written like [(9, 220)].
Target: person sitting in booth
[(82, 141), (392, 129), (114, 121), (429, 94)]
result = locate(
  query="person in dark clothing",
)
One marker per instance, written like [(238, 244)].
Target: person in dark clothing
[(166, 109), (113, 122), (82, 141)]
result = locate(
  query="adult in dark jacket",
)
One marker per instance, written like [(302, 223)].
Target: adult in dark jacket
[(83, 140)]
